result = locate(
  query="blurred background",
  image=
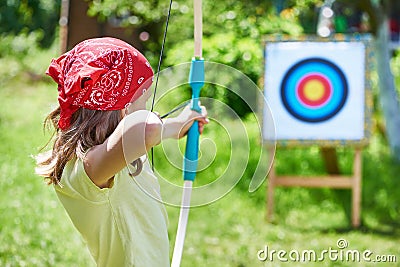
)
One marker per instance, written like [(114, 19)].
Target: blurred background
[(34, 228)]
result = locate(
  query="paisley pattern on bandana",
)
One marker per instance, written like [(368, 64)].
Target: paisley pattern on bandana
[(99, 74)]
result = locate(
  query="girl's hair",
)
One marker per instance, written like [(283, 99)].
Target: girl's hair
[(88, 128)]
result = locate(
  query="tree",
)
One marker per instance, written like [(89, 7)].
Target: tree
[(250, 20), (379, 13), (238, 43)]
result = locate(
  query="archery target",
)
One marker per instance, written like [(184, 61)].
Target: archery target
[(315, 90)]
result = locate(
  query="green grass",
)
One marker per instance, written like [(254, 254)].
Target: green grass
[(35, 230)]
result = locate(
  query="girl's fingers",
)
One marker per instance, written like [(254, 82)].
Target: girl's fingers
[(201, 124), (201, 129), (188, 116), (203, 119)]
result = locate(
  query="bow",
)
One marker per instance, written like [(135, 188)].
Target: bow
[(196, 81)]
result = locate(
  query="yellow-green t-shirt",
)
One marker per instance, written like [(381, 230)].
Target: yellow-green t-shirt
[(122, 225)]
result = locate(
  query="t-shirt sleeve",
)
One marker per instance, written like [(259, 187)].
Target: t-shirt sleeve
[(76, 183)]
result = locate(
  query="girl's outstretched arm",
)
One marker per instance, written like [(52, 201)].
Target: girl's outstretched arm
[(133, 137)]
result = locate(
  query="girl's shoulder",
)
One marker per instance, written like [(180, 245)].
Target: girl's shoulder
[(77, 184)]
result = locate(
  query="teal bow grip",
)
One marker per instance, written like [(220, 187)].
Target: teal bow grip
[(196, 81)]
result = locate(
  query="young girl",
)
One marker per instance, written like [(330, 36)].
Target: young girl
[(101, 125)]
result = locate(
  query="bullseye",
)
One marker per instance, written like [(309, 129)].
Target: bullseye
[(314, 90)]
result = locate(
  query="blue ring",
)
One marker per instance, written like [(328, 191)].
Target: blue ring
[(314, 66)]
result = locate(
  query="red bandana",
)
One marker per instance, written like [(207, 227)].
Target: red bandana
[(99, 74)]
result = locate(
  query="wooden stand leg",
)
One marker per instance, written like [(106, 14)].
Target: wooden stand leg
[(356, 188), (331, 181), (330, 159)]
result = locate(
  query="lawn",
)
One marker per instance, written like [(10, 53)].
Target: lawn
[(35, 230)]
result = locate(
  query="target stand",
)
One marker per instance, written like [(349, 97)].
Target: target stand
[(319, 93), (352, 182)]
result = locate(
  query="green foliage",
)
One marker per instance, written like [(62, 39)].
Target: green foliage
[(35, 230), (395, 66), (39, 16), (307, 12), (15, 52), (233, 32), (130, 13)]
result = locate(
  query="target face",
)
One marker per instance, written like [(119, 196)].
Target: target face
[(314, 90)]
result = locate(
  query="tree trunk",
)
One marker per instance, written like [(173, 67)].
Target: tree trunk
[(387, 90)]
